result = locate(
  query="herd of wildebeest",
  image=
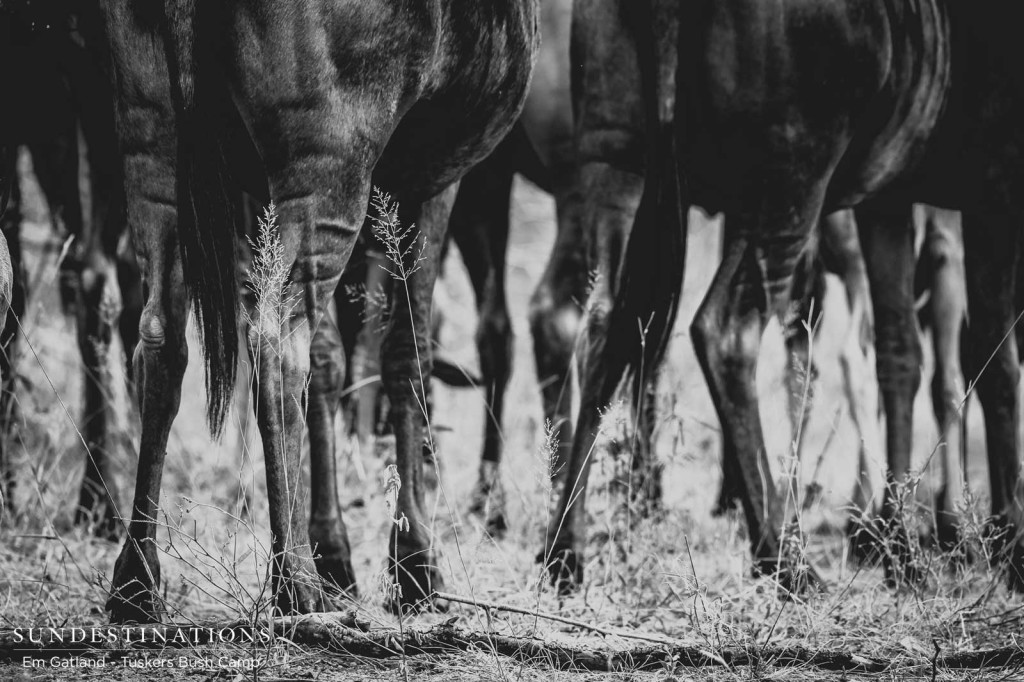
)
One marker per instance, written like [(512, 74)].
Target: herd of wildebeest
[(820, 129)]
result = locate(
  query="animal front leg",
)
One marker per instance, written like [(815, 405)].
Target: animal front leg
[(479, 225)]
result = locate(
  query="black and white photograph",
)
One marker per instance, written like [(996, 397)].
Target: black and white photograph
[(512, 340)]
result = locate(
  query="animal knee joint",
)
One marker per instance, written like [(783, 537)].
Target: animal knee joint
[(152, 330)]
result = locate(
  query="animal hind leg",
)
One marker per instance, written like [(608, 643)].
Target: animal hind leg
[(98, 309), (841, 254), (887, 238), (406, 366), (752, 283), (479, 225), (280, 337), (327, 531), (97, 312), (727, 336), (159, 367)]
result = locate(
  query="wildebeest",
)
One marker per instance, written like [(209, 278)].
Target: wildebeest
[(787, 110), (55, 89), (310, 103)]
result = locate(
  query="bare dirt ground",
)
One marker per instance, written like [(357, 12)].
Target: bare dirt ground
[(685, 576)]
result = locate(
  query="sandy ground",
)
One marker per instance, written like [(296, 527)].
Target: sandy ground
[(685, 576)]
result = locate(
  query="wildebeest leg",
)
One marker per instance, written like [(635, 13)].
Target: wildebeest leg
[(555, 323), (597, 184), (943, 249), (406, 362), (98, 306), (159, 366), (727, 336), (317, 237), (599, 215), (162, 352), (754, 282), (83, 275), (327, 531), (566, 532), (730, 492), (887, 238), (991, 244), (479, 226), (841, 254), (97, 312), (10, 227)]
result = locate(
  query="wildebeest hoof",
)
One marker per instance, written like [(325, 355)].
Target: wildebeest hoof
[(565, 568), (133, 596)]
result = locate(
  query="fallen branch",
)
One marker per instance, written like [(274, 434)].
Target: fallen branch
[(334, 632), (494, 606)]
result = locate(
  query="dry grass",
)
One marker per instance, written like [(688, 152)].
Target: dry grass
[(684, 576)]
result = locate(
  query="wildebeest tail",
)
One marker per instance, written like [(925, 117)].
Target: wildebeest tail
[(648, 291), (206, 215)]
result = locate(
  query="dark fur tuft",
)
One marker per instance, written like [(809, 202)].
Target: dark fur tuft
[(206, 215)]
